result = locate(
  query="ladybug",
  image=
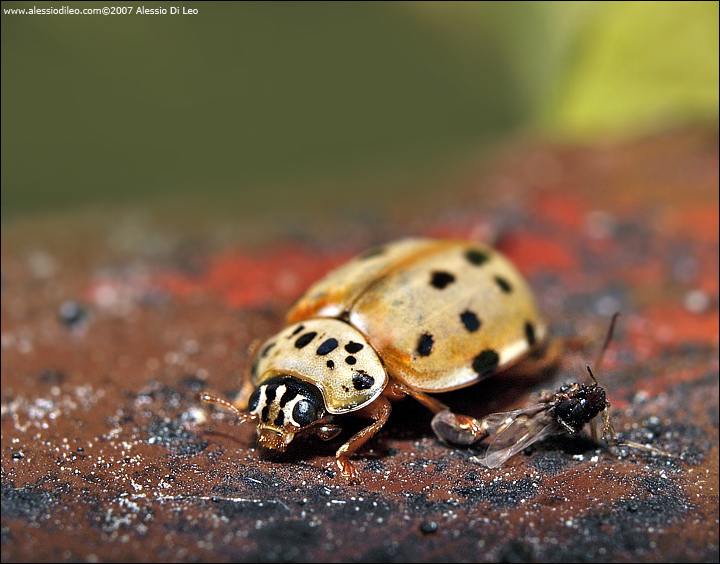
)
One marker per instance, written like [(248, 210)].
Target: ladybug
[(410, 318)]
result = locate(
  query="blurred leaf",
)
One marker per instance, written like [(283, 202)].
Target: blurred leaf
[(641, 63)]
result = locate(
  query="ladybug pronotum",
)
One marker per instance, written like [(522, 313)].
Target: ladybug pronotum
[(410, 318)]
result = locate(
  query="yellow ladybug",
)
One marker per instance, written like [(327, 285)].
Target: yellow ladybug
[(409, 318)]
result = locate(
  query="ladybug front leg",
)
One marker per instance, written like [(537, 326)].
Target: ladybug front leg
[(379, 410)]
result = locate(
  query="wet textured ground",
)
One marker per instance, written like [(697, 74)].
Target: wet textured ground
[(109, 331)]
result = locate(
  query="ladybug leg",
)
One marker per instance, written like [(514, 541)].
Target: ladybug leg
[(379, 410), (448, 426), (396, 391)]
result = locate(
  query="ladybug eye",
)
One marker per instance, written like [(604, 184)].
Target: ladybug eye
[(304, 412), (254, 400)]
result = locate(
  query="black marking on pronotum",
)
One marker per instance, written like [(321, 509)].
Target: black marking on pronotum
[(441, 279), (425, 344), (297, 330), (503, 284), (269, 397), (331, 365), (327, 346), (280, 418), (287, 396), (362, 381), (353, 347), (310, 398), (476, 257), (266, 349), (470, 320), (305, 339), (377, 251), (350, 360), (485, 362), (530, 333)]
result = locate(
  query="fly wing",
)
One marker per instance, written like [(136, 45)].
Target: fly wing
[(496, 423), (515, 431)]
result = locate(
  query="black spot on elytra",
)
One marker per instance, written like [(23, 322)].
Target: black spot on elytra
[(327, 346), (476, 257), (362, 381), (530, 333), (331, 365), (425, 344), (503, 284), (351, 360), (470, 320), (486, 362), (353, 347), (303, 340), (297, 330), (441, 279)]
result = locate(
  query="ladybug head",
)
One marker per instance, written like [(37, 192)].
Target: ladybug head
[(284, 406)]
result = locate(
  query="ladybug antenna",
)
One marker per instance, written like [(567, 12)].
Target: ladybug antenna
[(207, 398)]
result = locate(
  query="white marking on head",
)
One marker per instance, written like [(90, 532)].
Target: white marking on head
[(261, 401), (288, 409)]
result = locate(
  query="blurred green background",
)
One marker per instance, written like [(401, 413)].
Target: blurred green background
[(251, 106)]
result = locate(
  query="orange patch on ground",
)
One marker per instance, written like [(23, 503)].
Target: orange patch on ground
[(562, 211), (662, 326), (531, 253), (698, 223), (243, 279)]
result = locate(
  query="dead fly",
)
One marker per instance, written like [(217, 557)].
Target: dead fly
[(565, 411)]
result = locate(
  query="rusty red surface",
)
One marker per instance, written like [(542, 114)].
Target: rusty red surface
[(106, 454)]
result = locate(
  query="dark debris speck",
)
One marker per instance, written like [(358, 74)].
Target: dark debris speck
[(175, 437), (26, 502), (500, 492)]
